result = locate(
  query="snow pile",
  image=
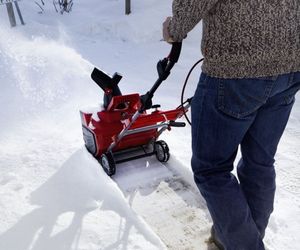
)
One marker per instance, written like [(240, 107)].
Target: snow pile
[(53, 194)]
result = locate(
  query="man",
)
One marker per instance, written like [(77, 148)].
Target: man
[(250, 75)]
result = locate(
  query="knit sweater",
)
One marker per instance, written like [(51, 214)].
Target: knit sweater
[(242, 38)]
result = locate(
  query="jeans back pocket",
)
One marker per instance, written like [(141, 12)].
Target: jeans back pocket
[(241, 97)]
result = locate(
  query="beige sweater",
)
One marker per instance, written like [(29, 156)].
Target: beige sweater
[(242, 38)]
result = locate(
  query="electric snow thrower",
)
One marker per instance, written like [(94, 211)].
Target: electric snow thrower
[(125, 129)]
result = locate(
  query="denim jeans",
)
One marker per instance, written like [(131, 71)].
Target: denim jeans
[(250, 113)]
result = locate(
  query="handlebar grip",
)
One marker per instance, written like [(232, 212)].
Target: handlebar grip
[(175, 52), (177, 124)]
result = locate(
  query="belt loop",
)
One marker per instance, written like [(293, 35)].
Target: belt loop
[(291, 78)]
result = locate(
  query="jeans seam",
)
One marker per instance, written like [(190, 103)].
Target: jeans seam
[(221, 94), (269, 89), (200, 113)]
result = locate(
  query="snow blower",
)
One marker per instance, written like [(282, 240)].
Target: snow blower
[(125, 129)]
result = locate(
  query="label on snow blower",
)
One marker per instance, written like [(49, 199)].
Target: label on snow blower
[(173, 208)]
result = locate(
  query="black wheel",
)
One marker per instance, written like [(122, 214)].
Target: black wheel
[(108, 163), (161, 151)]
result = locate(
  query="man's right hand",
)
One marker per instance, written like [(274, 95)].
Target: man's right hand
[(166, 36)]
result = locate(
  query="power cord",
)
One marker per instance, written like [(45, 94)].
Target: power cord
[(183, 89)]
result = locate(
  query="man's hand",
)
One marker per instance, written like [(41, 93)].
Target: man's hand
[(166, 35)]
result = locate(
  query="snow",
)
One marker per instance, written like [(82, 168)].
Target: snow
[(53, 194)]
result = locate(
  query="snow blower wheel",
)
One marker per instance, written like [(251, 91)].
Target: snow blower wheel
[(108, 163), (162, 151)]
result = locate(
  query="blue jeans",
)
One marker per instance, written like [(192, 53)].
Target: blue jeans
[(250, 113)]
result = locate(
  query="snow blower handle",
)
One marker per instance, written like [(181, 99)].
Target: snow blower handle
[(175, 52), (164, 67)]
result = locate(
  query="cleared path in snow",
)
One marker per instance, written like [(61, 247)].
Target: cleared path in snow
[(171, 206)]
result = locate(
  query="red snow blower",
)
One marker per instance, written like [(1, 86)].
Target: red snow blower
[(124, 130)]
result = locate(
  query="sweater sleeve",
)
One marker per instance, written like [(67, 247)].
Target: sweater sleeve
[(186, 14)]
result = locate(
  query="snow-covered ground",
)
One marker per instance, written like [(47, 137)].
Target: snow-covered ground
[(53, 194)]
